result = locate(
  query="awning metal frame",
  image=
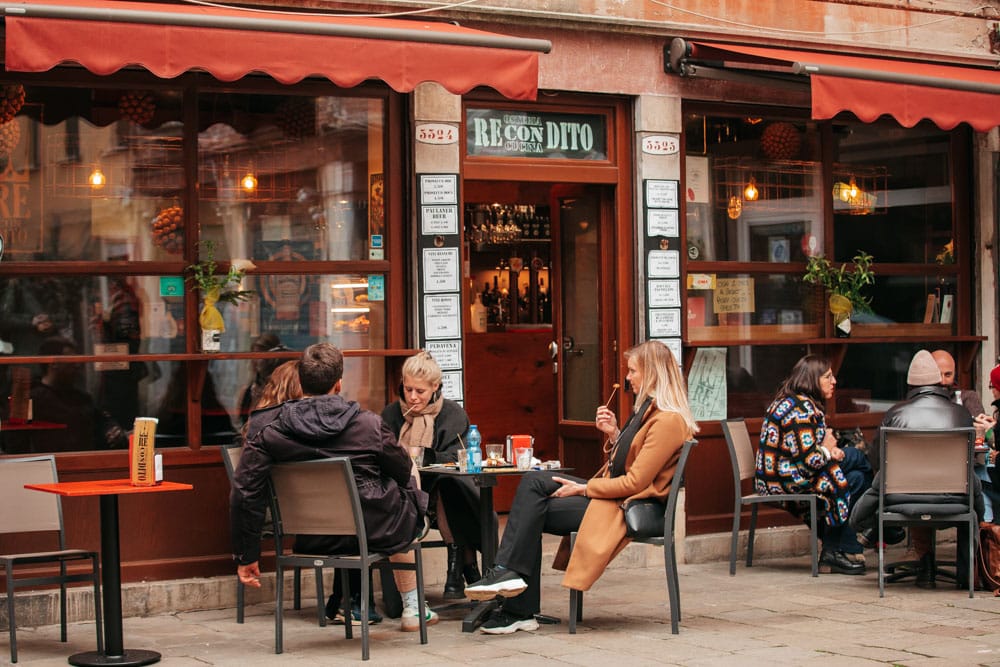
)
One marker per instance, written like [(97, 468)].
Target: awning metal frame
[(678, 60), (273, 25)]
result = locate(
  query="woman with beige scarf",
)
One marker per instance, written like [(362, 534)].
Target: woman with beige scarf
[(423, 418)]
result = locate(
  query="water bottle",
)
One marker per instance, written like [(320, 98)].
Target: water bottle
[(474, 452)]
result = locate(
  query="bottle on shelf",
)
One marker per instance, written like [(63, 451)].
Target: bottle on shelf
[(478, 315), (473, 451)]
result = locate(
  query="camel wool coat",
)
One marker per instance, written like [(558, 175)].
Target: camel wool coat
[(649, 471)]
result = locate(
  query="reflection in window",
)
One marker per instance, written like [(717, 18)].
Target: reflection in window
[(720, 304), (292, 179)]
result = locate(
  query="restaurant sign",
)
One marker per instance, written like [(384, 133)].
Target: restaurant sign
[(535, 134)]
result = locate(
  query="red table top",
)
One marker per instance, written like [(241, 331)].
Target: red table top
[(106, 487)]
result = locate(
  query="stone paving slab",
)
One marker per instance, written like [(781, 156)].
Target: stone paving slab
[(772, 614)]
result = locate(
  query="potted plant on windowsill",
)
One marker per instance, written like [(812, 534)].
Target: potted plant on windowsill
[(216, 288), (844, 285)]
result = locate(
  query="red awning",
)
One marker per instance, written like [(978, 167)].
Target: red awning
[(870, 87), (168, 40)]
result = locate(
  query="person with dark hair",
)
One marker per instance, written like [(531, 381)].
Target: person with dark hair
[(57, 398), (642, 457), (262, 369), (798, 453), (320, 425)]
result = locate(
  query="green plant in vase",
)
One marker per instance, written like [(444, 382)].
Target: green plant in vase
[(215, 288), (846, 286)]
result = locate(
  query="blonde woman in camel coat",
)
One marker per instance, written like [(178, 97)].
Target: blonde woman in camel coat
[(642, 457)]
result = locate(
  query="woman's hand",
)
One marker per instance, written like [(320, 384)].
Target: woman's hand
[(983, 423), (836, 453), (568, 488), (607, 422)]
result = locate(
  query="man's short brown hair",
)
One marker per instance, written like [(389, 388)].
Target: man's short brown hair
[(321, 368)]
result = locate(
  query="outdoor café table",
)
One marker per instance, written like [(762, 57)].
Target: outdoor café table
[(485, 480), (109, 490)]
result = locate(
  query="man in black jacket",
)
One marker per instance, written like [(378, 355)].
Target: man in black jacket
[(928, 405), (323, 424)]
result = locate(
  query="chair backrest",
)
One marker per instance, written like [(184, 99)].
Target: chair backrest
[(25, 510), (317, 497), (927, 461), (676, 485), (740, 448), (231, 459)]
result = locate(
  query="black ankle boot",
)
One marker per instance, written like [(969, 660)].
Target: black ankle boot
[(454, 587)]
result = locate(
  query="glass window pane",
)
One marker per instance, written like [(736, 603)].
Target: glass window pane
[(902, 211), (730, 306), (904, 300), (87, 172), (76, 407), (753, 189), (290, 179), (753, 374), (872, 377), (347, 310)]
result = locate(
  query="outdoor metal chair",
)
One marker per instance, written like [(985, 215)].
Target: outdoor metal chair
[(926, 480), (231, 459), (320, 497), (27, 511), (666, 541), (741, 455)]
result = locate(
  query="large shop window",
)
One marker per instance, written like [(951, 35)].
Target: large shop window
[(106, 196), (765, 192)]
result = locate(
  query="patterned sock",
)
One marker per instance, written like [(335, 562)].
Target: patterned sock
[(410, 599)]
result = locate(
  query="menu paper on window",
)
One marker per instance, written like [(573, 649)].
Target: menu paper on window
[(439, 189), (441, 269), (707, 384), (438, 220), (442, 316), (664, 322), (447, 353), (661, 194), (664, 264), (663, 222), (664, 293), (734, 295), (451, 385)]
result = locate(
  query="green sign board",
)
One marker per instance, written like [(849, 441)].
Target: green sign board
[(535, 134), (171, 286)]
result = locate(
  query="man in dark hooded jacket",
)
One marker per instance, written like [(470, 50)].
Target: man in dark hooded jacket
[(323, 424)]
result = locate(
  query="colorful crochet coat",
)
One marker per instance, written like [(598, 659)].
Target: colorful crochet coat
[(790, 459)]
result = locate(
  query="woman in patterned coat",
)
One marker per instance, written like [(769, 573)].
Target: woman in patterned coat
[(799, 454)]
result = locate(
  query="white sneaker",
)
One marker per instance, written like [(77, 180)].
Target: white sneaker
[(410, 622)]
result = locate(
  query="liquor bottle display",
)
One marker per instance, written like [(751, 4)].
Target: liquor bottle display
[(509, 250)]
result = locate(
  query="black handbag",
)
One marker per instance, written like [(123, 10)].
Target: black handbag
[(644, 518)]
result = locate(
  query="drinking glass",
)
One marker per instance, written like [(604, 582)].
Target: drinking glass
[(524, 455), (463, 460)]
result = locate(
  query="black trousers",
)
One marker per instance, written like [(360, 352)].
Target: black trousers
[(533, 513)]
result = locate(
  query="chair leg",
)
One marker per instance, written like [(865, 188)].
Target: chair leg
[(279, 604), (673, 586), (881, 560), (240, 600), (418, 563), (751, 534), (320, 603), (574, 609), (813, 537), (345, 603), (972, 557), (98, 614), (62, 602), (11, 621), (297, 589), (365, 583), (734, 546)]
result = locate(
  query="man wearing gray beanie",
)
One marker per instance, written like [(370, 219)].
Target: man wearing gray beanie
[(927, 405)]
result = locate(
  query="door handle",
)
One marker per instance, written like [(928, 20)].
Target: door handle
[(554, 353)]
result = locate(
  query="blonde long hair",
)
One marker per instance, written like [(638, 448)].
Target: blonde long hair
[(662, 380)]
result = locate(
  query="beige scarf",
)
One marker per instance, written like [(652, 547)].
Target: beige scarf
[(418, 429)]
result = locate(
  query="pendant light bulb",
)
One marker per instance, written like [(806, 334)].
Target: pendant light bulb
[(249, 182), (750, 192), (97, 179)]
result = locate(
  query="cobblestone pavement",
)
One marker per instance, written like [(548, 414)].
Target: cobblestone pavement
[(773, 614)]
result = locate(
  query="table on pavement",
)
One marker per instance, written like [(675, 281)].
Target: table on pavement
[(114, 651), (485, 480)]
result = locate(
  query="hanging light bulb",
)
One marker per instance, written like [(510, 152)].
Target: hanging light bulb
[(735, 208), (750, 192), (97, 179), (249, 182), (853, 190)]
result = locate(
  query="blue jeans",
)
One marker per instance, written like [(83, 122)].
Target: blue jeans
[(858, 472)]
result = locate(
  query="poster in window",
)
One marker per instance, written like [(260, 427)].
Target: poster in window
[(376, 215), (284, 298), (21, 215)]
